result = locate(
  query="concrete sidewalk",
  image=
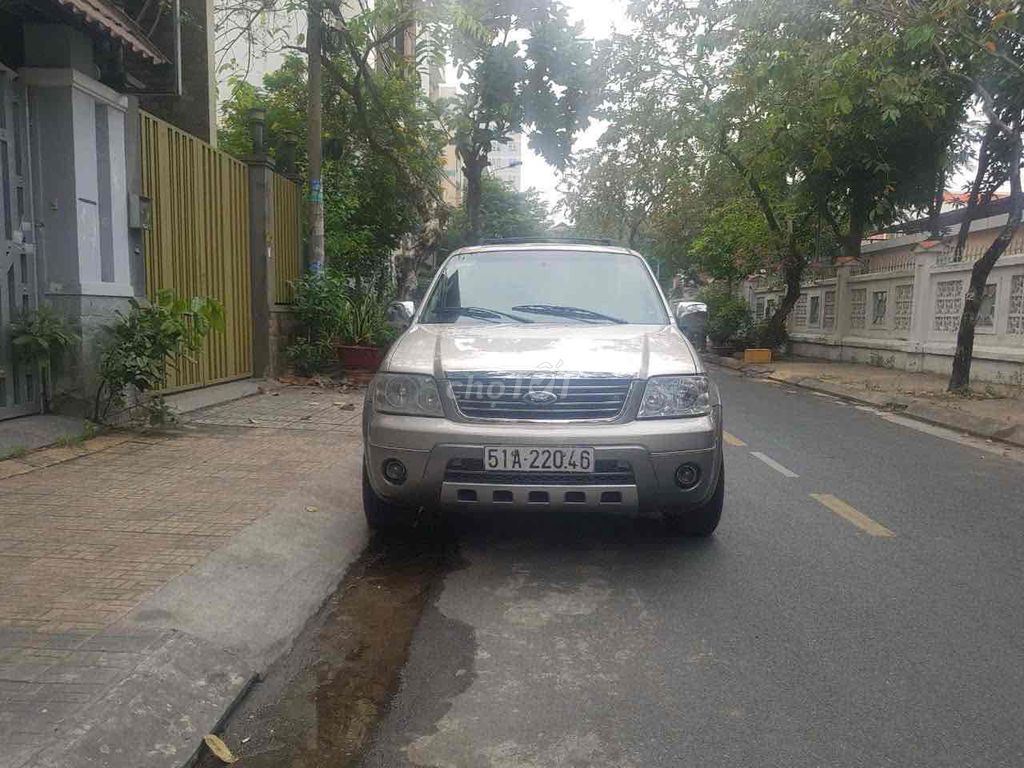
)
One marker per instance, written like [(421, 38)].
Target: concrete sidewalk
[(146, 580), (993, 411)]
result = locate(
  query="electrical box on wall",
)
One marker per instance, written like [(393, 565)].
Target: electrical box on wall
[(139, 212)]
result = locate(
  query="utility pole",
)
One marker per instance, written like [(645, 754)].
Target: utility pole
[(314, 138)]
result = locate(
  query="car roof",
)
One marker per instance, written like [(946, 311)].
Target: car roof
[(546, 246)]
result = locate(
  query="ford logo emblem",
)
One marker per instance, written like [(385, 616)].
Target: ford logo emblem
[(540, 397)]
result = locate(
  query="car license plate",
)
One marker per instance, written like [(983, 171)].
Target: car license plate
[(538, 459)]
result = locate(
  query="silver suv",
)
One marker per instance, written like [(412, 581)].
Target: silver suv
[(544, 376)]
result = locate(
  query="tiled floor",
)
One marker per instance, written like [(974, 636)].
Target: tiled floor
[(85, 540)]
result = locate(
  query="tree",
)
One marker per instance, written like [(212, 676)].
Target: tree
[(371, 207), (504, 213), (980, 42), (375, 121), (523, 68), (820, 112)]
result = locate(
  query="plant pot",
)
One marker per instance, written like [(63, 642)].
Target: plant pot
[(359, 358), (757, 355)]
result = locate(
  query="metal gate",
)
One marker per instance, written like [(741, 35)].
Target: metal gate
[(19, 386), (198, 243)]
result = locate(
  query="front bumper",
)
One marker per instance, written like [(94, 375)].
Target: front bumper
[(652, 449)]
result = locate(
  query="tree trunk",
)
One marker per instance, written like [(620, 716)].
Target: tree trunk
[(473, 170), (974, 197), (793, 274), (314, 136), (960, 378)]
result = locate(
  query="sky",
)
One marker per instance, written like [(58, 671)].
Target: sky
[(599, 17)]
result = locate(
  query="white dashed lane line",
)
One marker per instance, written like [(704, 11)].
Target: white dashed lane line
[(774, 464)]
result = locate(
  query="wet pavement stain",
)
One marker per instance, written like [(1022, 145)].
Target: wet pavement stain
[(317, 705)]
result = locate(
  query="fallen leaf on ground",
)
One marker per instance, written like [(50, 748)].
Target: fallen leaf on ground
[(252, 420), (348, 407), (312, 509), (219, 748)]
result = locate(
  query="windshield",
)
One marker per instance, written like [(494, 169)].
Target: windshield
[(579, 287)]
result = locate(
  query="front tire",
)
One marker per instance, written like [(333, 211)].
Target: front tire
[(702, 521), (381, 515)]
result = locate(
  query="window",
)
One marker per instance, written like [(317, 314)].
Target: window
[(987, 310), (759, 308), (949, 305), (545, 286), (814, 317), (769, 308), (904, 301), (858, 307), (879, 307), (800, 311), (828, 318), (1016, 321)]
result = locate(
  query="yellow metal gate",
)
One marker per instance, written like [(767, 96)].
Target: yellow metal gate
[(287, 238), (198, 242)]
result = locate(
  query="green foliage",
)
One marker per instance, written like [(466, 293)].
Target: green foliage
[(522, 68), (728, 315), (40, 335), (382, 154), (504, 212), (142, 344), (735, 241), (321, 304), (366, 321), (308, 357), (40, 338), (331, 308)]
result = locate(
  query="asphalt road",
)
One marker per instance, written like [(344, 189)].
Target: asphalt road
[(861, 605)]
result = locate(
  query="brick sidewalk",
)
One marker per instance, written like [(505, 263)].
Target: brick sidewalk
[(87, 534)]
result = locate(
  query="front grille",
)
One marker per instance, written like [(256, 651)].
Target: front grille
[(510, 397), (606, 472)]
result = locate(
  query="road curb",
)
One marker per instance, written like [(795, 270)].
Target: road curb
[(982, 427)]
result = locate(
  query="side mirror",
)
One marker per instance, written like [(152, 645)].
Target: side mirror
[(400, 313)]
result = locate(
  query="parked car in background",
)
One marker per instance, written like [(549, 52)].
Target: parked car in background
[(544, 376), (692, 318)]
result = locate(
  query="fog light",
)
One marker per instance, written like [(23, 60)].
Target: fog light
[(687, 476), (394, 471)]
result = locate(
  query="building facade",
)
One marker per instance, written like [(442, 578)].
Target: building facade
[(72, 213)]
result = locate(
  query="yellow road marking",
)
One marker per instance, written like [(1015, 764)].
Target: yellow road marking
[(731, 439), (851, 515)]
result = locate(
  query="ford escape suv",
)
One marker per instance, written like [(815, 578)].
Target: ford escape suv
[(543, 376)]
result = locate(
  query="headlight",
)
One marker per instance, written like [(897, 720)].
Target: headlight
[(670, 397), (406, 394)]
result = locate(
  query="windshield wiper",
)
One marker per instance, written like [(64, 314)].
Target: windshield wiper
[(576, 313), (482, 313)]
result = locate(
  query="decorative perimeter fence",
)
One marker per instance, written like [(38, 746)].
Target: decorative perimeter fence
[(901, 309)]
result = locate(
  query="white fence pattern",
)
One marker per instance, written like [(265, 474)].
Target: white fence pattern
[(903, 310)]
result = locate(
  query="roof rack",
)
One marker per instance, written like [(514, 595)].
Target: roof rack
[(540, 240)]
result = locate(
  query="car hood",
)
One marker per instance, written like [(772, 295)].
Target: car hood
[(620, 350)]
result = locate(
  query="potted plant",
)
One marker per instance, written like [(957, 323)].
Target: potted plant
[(364, 335)]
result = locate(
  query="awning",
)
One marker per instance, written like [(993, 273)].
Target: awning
[(117, 24)]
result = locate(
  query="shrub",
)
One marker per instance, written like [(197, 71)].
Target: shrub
[(40, 337), (321, 304), (764, 335), (728, 315), (330, 311), (142, 344), (307, 358)]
